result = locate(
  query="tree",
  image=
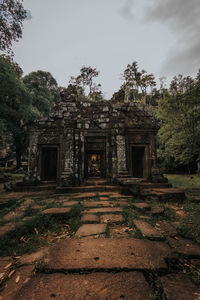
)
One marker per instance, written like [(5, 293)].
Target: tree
[(12, 15), (137, 82), (86, 80), (179, 111), (44, 90), (15, 104)]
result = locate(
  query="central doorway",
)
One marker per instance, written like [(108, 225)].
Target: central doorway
[(49, 164), (138, 157), (95, 164)]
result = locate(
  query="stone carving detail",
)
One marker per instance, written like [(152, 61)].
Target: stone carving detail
[(121, 153), (48, 140)]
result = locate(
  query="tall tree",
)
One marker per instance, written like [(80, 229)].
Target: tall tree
[(137, 82), (15, 104), (44, 90), (86, 80), (12, 15), (179, 111)]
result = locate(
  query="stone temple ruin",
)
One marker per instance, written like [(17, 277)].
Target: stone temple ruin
[(106, 139)]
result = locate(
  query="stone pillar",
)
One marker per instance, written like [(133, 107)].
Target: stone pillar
[(121, 154), (153, 153), (156, 174), (33, 157), (67, 172)]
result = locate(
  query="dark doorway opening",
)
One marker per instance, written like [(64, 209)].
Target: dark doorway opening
[(49, 164), (138, 161), (95, 164)]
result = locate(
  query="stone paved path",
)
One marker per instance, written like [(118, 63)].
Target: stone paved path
[(123, 249)]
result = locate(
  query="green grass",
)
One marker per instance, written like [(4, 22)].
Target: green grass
[(184, 181)]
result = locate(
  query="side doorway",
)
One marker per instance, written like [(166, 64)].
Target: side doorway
[(138, 161), (49, 162)]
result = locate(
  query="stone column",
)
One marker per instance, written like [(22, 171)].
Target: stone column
[(33, 157), (121, 154)]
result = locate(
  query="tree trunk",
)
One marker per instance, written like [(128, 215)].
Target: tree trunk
[(198, 166)]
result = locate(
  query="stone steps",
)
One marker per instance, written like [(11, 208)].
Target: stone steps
[(165, 194), (84, 189)]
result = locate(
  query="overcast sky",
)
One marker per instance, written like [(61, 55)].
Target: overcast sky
[(64, 35)]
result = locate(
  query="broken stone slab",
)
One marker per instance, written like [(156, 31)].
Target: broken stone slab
[(95, 286), (87, 254), (184, 247), (57, 212), (90, 229), (147, 230), (119, 231), (28, 259), (111, 218), (165, 228), (179, 287), (143, 206), (104, 210), (20, 277), (89, 218), (157, 211)]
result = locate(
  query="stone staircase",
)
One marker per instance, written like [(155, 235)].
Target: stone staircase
[(93, 184)]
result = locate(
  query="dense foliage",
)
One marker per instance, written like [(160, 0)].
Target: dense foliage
[(179, 111), (12, 15), (22, 101)]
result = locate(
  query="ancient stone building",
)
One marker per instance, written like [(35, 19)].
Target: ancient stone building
[(79, 140)]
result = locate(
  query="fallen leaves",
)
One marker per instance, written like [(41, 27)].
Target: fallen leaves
[(11, 273)]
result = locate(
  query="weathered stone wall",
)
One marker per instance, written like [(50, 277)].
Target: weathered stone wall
[(72, 122)]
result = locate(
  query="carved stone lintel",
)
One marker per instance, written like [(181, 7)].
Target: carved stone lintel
[(48, 140)]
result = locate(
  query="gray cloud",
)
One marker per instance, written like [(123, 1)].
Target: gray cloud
[(126, 10), (183, 18)]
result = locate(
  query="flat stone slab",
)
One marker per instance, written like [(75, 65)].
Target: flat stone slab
[(97, 203), (60, 211), (166, 228), (104, 210), (21, 276), (179, 287), (184, 246), (89, 218), (157, 211), (147, 230), (70, 203), (111, 218), (78, 254), (90, 229), (144, 206), (166, 194), (107, 203), (95, 286)]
